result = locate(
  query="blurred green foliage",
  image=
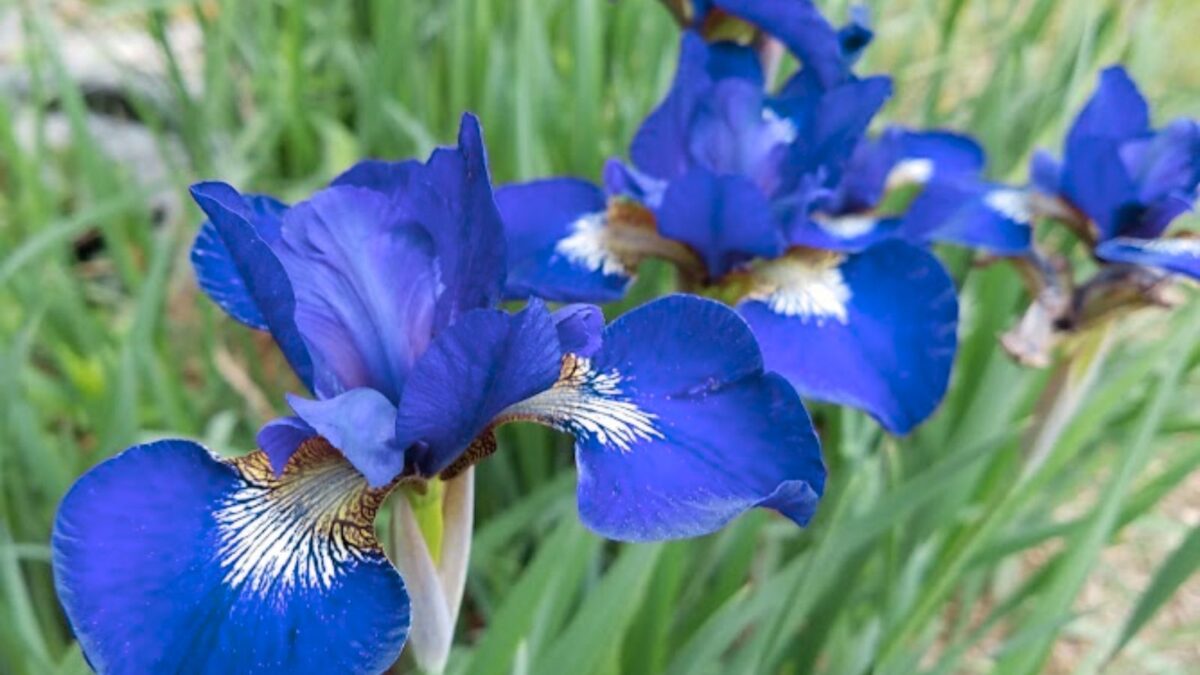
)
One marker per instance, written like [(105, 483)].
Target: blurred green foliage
[(915, 560)]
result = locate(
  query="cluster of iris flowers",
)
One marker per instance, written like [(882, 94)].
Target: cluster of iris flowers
[(802, 241)]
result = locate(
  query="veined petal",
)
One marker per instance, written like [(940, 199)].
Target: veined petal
[(366, 281), (1173, 254), (484, 362), (874, 330), (361, 424), (167, 559), (971, 212), (559, 244), (725, 219), (216, 271), (259, 270), (678, 449), (450, 195)]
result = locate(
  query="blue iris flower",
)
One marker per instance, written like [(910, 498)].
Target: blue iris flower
[(1124, 182), (381, 291), (779, 204)]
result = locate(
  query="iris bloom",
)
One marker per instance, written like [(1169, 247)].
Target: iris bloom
[(1121, 182), (778, 204), (381, 292)]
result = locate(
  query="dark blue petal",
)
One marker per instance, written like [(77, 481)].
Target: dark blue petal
[(851, 232), (678, 447), (367, 280), (1166, 168), (732, 133), (486, 361), (875, 331), (660, 147), (258, 268), (557, 244), (1116, 111), (217, 273), (579, 328), (856, 35), (1096, 181), (1045, 172), (726, 219), (625, 181), (360, 423), (972, 213), (281, 438), (950, 153), (1178, 255), (799, 25), (450, 196), (168, 560), (830, 125)]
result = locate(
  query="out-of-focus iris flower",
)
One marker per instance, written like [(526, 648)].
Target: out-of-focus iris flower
[(1118, 187), (1121, 182), (778, 204), (381, 291)]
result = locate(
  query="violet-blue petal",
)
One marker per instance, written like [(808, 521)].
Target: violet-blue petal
[(557, 244), (260, 271), (830, 125), (579, 328), (366, 283), (971, 213), (1045, 172), (678, 447), (217, 273), (660, 146), (1096, 181), (1166, 169), (361, 424), (1178, 255), (451, 196), (281, 438), (848, 233), (1116, 111), (876, 331), (800, 26), (726, 219), (622, 180), (169, 560), (481, 364)]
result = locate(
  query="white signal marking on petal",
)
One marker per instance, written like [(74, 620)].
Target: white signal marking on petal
[(302, 529), (1169, 246), (848, 227), (587, 246), (780, 130), (1012, 204), (587, 402), (808, 289), (915, 171)]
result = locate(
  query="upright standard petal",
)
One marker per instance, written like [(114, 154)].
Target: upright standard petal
[(486, 361), (366, 281), (725, 219), (660, 147), (874, 330), (559, 244), (1096, 181), (169, 560), (258, 270), (1116, 111), (1173, 254), (216, 270), (678, 448)]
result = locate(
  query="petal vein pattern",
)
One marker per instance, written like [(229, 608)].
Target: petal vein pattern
[(587, 402)]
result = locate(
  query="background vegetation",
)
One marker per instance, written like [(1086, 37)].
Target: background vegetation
[(935, 553)]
